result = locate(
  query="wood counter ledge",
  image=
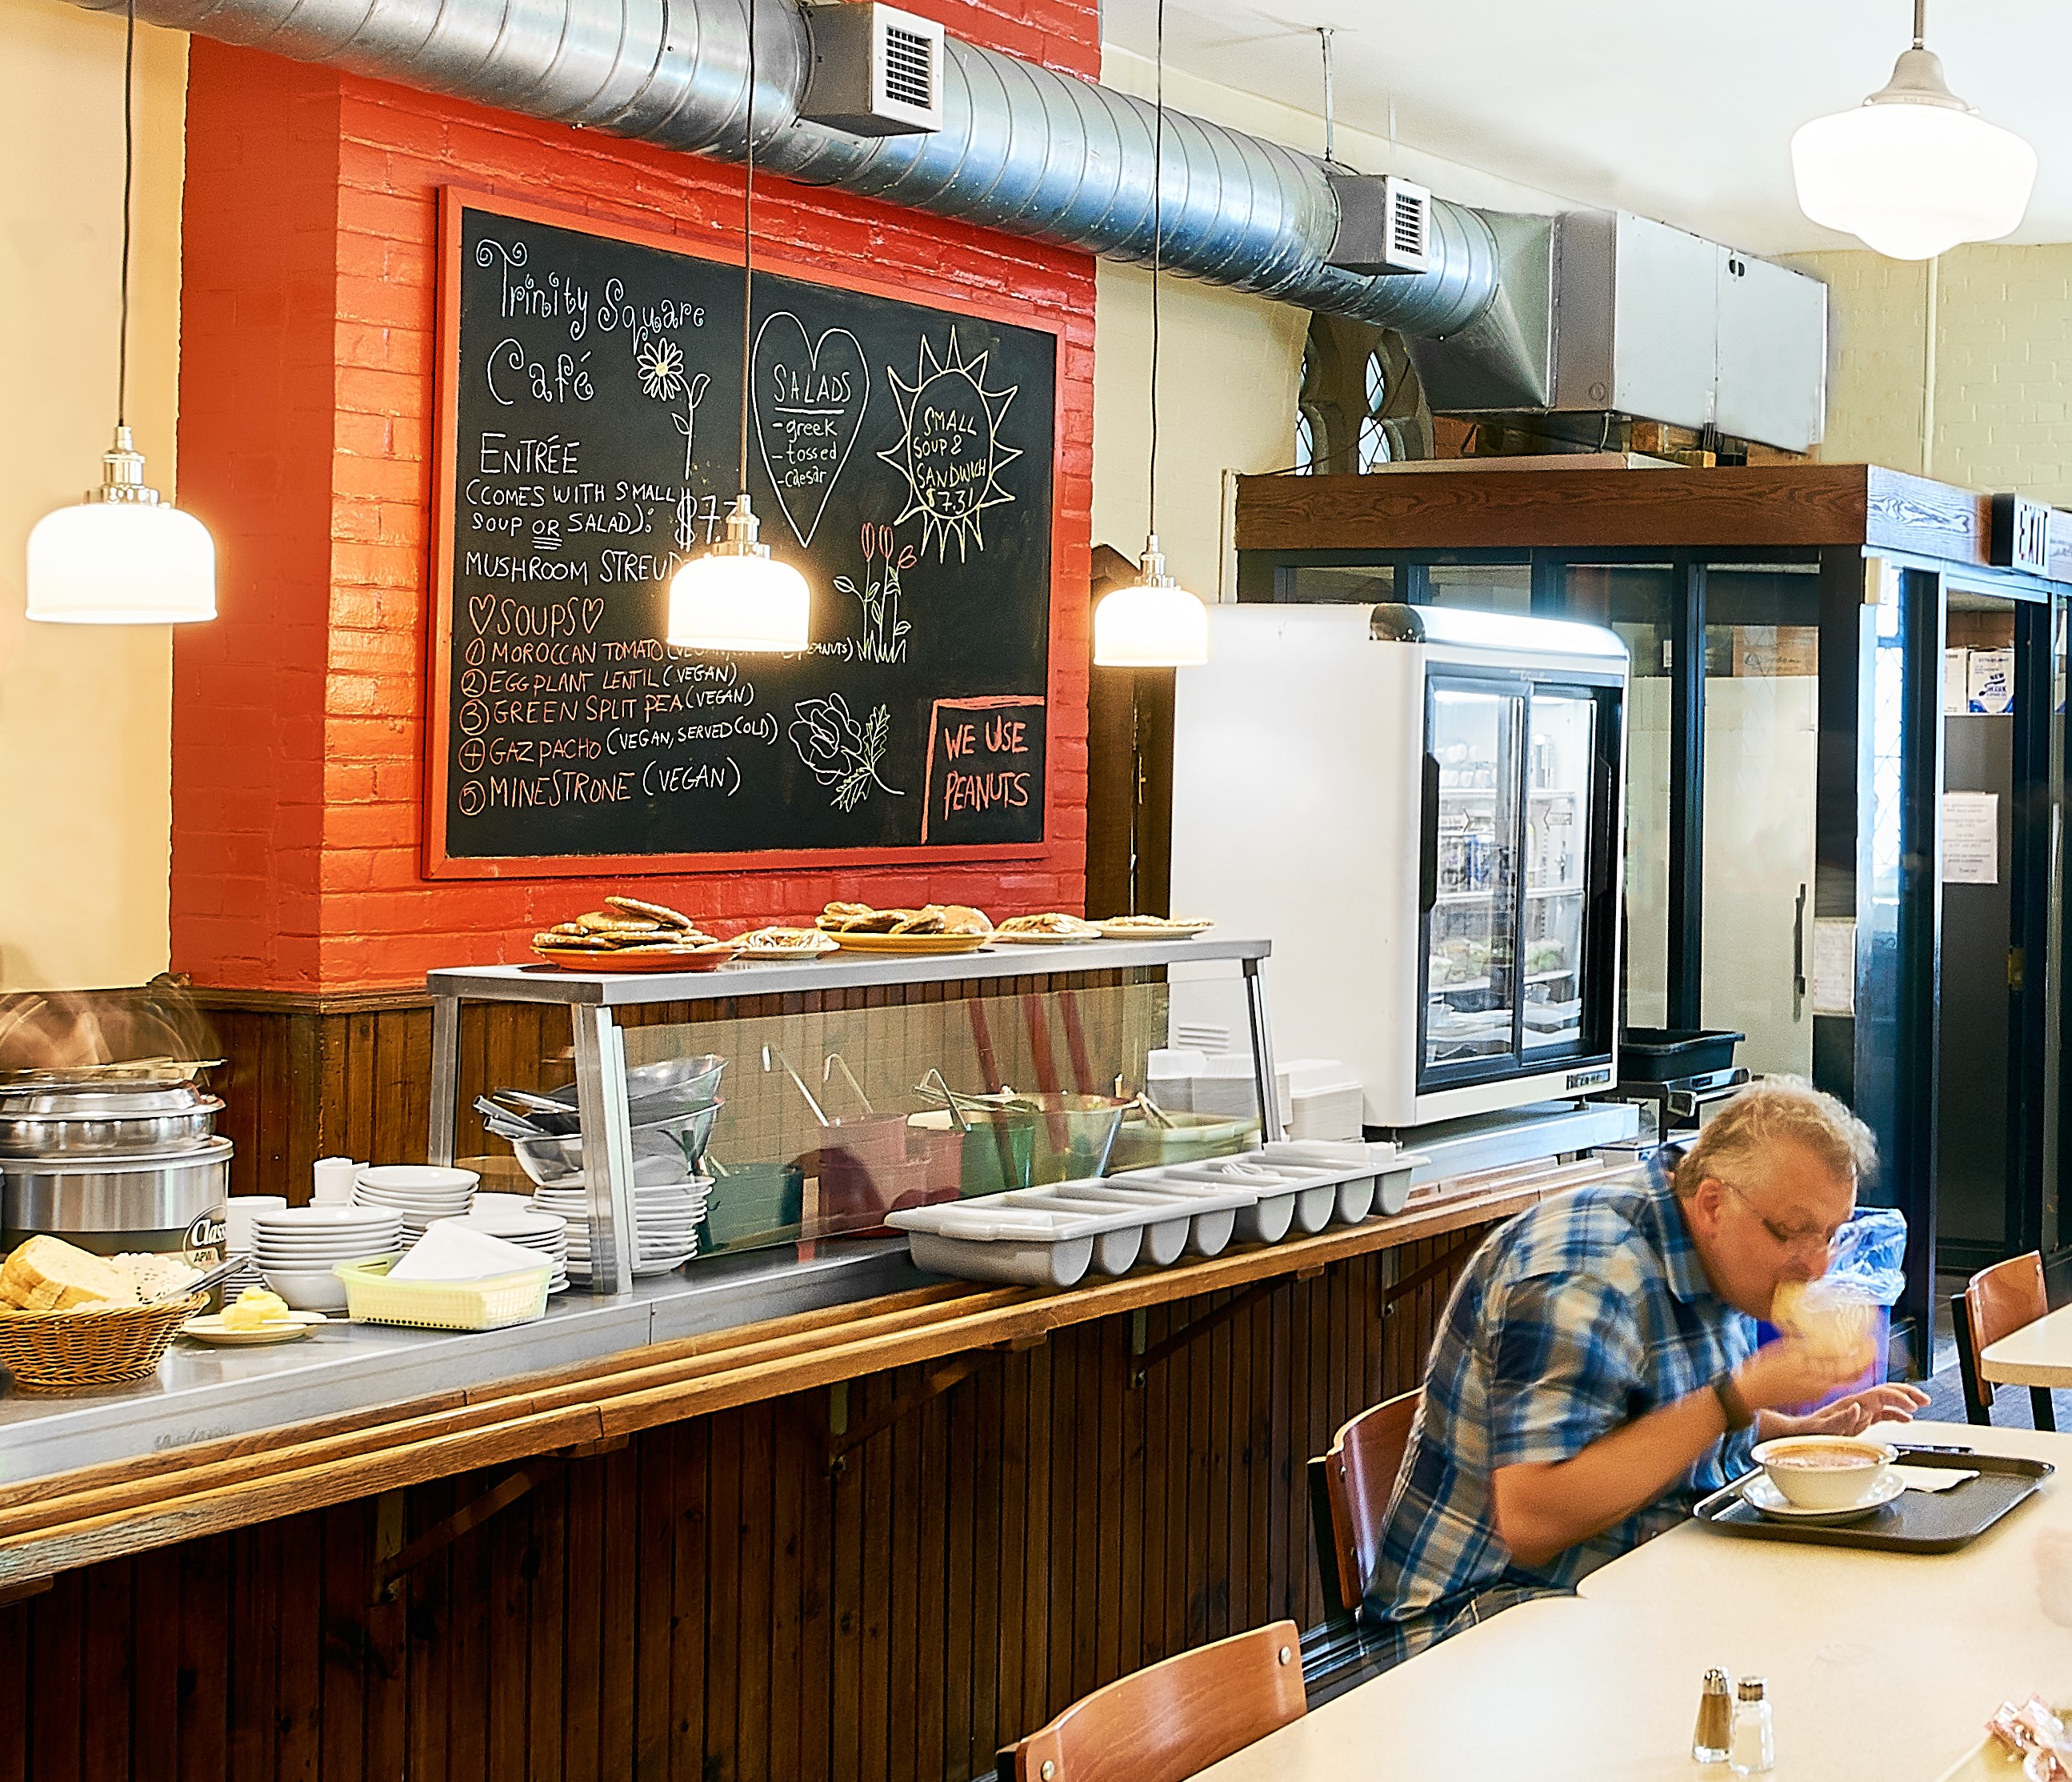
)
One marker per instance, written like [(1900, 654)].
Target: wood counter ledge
[(75, 1518)]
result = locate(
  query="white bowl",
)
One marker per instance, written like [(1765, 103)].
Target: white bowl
[(1825, 1472), (308, 1290)]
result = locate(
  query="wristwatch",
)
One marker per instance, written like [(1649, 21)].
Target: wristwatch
[(1732, 1404)]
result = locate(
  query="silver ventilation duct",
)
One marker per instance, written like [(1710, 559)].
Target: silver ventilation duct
[(1022, 149)]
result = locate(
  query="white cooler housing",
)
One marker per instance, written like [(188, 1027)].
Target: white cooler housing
[(1331, 789)]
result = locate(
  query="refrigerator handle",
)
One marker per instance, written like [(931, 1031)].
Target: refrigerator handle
[(1427, 839), (1798, 955)]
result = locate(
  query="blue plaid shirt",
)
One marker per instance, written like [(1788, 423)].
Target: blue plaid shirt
[(1576, 1318)]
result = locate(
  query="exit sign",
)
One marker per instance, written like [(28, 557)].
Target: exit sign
[(2020, 538)]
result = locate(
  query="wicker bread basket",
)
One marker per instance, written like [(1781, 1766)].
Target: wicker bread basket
[(61, 1351)]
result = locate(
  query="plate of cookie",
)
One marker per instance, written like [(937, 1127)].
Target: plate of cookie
[(1053, 929), (1152, 928), (631, 934), (931, 928), (783, 943)]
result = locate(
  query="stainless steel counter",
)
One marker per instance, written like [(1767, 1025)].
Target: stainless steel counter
[(202, 1394)]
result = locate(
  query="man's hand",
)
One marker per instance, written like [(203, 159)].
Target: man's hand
[(1790, 1372), (1894, 1402)]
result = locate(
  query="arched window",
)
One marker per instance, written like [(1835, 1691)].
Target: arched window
[(1305, 440), (1376, 448)]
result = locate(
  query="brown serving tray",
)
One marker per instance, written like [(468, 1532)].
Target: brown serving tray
[(1914, 1521)]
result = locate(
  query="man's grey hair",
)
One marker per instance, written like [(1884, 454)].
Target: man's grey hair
[(1777, 1110)]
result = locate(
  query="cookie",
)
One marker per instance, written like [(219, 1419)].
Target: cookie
[(662, 913)]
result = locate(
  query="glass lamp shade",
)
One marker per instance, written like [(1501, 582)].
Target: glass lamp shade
[(1155, 623), (739, 596), (123, 563), (1911, 178)]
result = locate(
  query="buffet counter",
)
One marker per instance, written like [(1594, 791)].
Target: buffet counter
[(223, 1439)]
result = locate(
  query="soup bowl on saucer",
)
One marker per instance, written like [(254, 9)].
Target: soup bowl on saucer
[(1825, 1472)]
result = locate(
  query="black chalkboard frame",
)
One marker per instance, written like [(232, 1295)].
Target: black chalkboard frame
[(455, 202)]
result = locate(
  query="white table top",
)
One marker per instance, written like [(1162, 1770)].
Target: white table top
[(1880, 1665), (2036, 1355)]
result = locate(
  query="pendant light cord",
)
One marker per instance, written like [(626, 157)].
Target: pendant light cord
[(128, 170), (747, 250), (1921, 24), (1158, 243)]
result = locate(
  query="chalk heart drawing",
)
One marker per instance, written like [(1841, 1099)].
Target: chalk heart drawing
[(482, 611), (949, 448), (810, 396)]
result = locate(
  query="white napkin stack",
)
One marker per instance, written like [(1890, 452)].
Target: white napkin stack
[(450, 1251)]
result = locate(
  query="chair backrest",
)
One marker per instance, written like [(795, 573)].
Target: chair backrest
[(1359, 1478), (1172, 1719), (2004, 1298)]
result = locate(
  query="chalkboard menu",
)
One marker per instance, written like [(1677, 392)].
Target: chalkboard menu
[(899, 455)]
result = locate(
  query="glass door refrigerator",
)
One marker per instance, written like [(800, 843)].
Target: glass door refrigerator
[(1423, 807)]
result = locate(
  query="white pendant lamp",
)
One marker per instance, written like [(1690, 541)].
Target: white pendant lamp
[(736, 596), (1154, 622), (121, 556), (1913, 171)]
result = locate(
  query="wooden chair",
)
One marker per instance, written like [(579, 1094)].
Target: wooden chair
[(1996, 1303), (1171, 1719), (1350, 1488)]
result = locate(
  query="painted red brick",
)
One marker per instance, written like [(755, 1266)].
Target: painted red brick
[(305, 441)]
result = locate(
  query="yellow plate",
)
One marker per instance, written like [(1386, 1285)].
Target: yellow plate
[(911, 943), (1033, 939)]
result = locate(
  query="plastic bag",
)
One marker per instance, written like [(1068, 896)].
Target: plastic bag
[(1870, 1254)]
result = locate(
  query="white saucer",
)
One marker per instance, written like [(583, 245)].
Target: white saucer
[(1765, 1497)]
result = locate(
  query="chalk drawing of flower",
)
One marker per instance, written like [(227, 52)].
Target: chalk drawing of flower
[(660, 364), (840, 752)]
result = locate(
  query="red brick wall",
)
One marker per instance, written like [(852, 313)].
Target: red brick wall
[(306, 426)]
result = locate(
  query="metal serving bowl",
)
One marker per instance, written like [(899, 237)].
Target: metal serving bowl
[(665, 1151), (105, 1121), (656, 1092)]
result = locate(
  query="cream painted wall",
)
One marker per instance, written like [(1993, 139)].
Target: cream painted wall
[(1230, 364), (85, 711), (1984, 404)]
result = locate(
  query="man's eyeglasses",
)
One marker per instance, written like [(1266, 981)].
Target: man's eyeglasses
[(1806, 1241)]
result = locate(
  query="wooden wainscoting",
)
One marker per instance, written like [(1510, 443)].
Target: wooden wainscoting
[(710, 1604)]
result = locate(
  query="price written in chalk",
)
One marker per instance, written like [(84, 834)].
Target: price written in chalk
[(986, 765)]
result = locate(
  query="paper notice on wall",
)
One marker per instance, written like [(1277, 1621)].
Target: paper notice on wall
[(1970, 838), (1833, 990)]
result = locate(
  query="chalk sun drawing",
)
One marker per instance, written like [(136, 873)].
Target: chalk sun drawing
[(949, 449)]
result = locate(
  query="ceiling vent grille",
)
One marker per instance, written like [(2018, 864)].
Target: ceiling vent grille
[(876, 71), (1384, 225)]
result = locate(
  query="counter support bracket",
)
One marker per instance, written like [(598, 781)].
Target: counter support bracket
[(1392, 1296), (391, 1574), (446, 1078), (1169, 1345), (934, 1383)]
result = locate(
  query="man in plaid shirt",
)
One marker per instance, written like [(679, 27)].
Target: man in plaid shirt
[(1596, 1370)]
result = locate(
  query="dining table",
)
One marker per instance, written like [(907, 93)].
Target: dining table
[(1880, 1666), (2039, 1354)]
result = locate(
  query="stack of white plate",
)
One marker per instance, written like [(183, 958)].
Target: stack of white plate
[(544, 1232), (416, 1193), (666, 1219), (297, 1247)]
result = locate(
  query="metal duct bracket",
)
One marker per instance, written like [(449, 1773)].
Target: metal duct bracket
[(1384, 225), (875, 71)]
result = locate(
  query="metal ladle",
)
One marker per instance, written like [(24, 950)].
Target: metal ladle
[(828, 1065)]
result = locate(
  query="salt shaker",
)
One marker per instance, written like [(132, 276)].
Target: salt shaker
[(1753, 1750), (1710, 1741)]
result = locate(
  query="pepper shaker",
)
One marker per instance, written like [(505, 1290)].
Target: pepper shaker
[(1714, 1734)]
